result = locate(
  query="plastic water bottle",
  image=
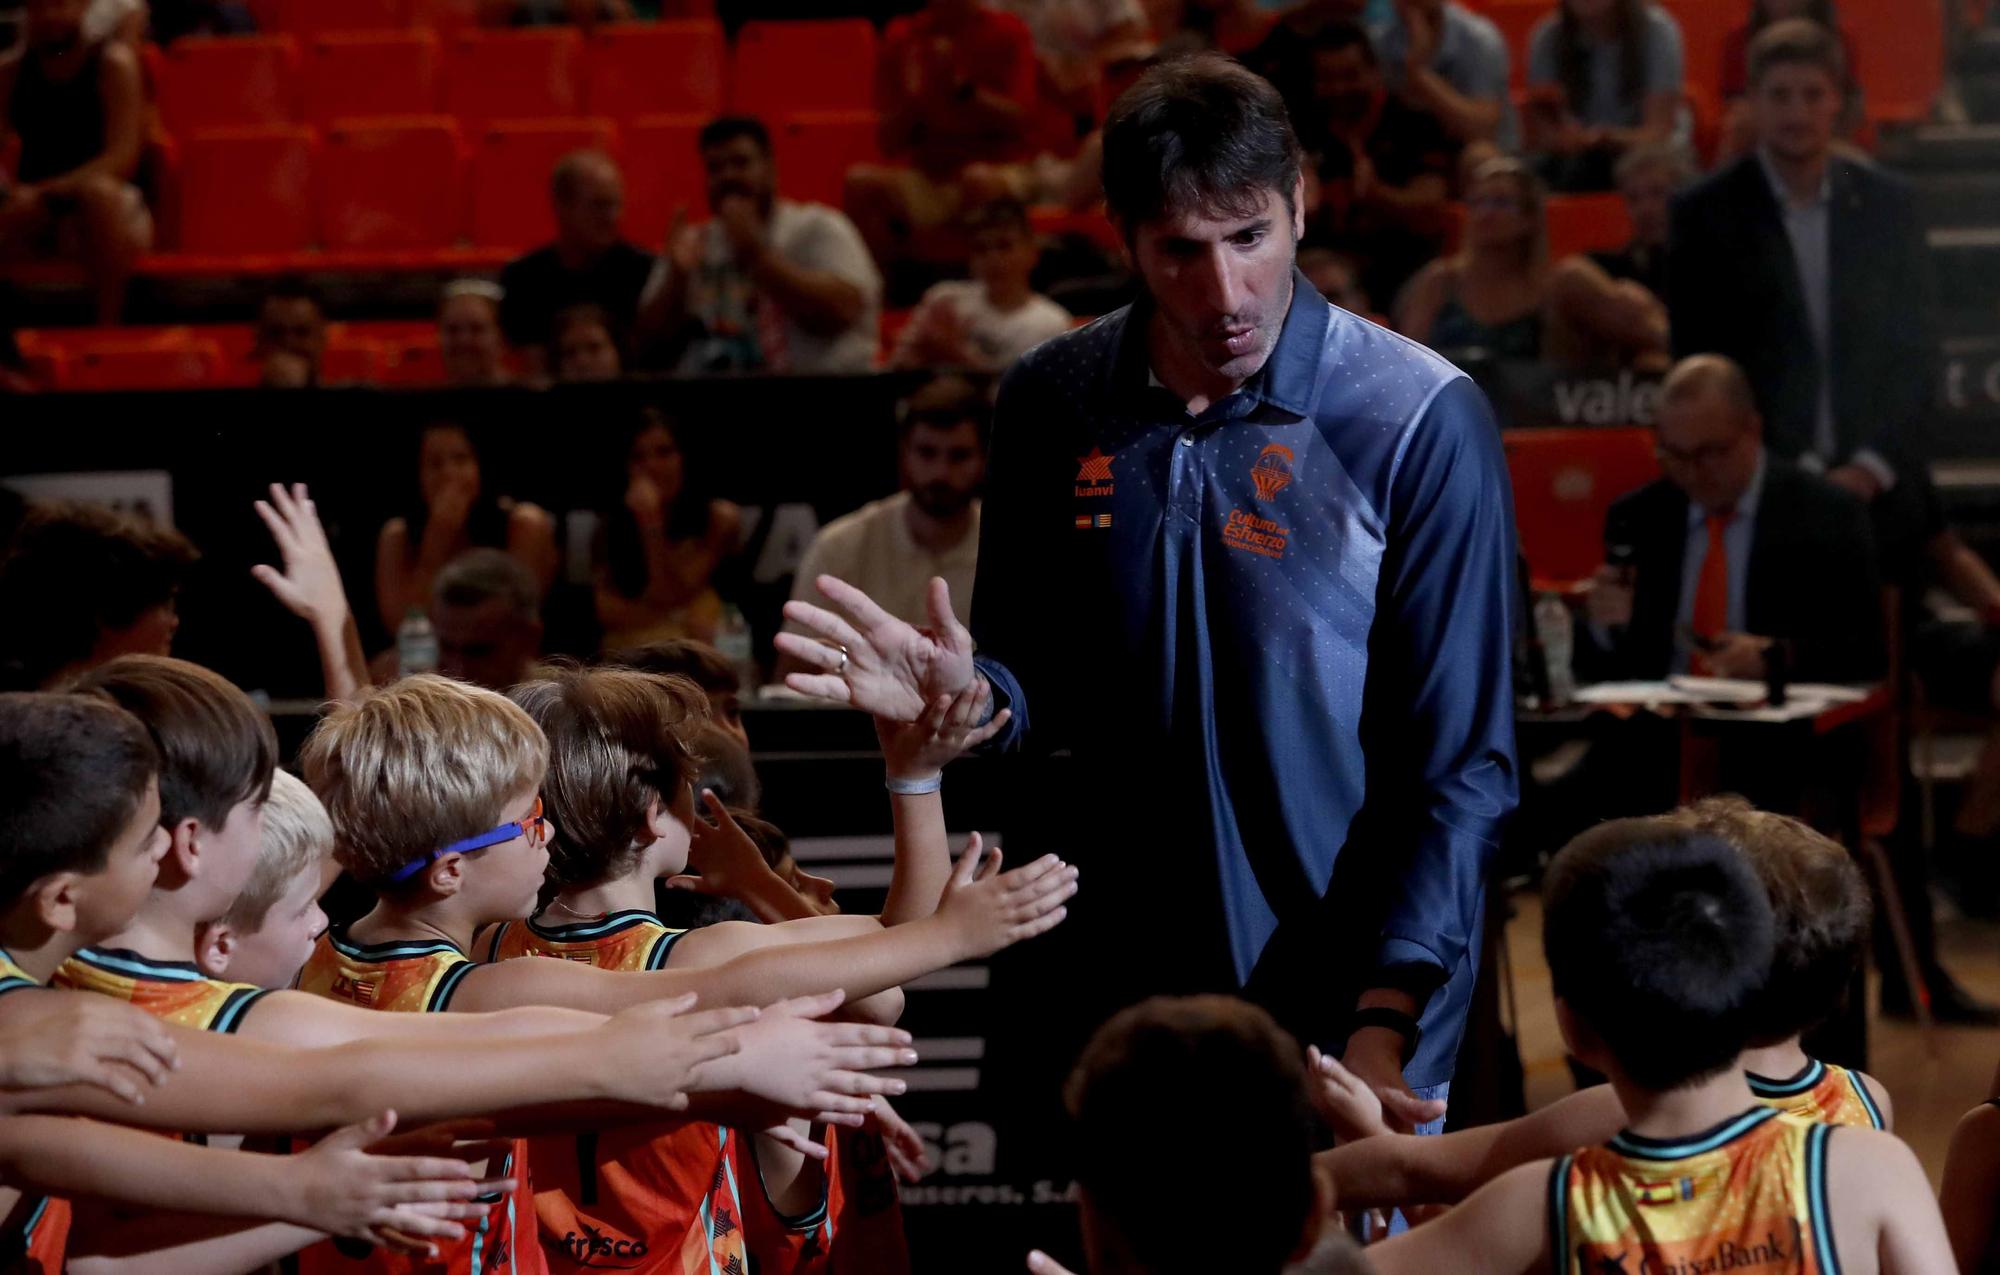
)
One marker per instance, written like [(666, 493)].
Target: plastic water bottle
[(733, 641), (416, 644), (1557, 640)]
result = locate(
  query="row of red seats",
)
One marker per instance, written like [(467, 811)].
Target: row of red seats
[(620, 71), (309, 17), (1901, 48), (417, 192)]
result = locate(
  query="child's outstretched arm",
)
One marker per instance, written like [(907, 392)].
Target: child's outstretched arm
[(1970, 1191), (727, 863), (310, 587), (1403, 1169), (1881, 1203), (87, 1040), (914, 755), (1502, 1230)]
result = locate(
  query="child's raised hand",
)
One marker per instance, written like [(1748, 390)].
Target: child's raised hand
[(341, 1187), (724, 858), (90, 1040), (309, 586), (902, 1144), (1348, 1105), (947, 729), (818, 1069), (1040, 1263), (989, 909), (653, 1054)]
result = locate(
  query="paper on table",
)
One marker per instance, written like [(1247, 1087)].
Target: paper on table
[(1631, 693), (1719, 690)]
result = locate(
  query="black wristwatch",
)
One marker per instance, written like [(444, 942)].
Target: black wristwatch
[(1393, 1019)]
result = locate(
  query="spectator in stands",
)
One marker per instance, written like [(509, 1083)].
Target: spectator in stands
[(986, 322), (661, 549), (84, 585), (1077, 39), (955, 85), (1603, 76), (1334, 276), (122, 20), (453, 509), (1812, 271), (1499, 295), (1739, 124), (172, 19), (1649, 176), (583, 345), (1234, 27), (78, 108), (487, 609), (1732, 552), (890, 549), (1451, 63), (291, 337), (588, 262), (769, 284), (1384, 166), (469, 342), (701, 664)]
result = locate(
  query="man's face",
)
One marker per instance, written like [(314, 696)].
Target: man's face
[(469, 341), (587, 217), (1221, 283), (1649, 195), (586, 352), (488, 645), (1708, 449), (54, 26), (151, 634), (1346, 83), (108, 900), (1003, 257), (943, 468), (274, 953), (738, 168), (1796, 109), (294, 325)]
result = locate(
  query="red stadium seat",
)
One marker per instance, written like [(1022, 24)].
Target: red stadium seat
[(1901, 52), (511, 164), (413, 362), (1516, 20), (783, 67), (392, 184), (663, 172), (814, 150), (354, 73), (654, 68), (247, 190), (312, 17), (229, 82), (1587, 223), (496, 75), (1565, 480), (351, 359), (168, 363), (1705, 27)]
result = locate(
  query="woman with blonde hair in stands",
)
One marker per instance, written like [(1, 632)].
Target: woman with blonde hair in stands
[(1501, 297)]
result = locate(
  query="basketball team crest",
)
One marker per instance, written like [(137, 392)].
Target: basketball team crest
[(1273, 471)]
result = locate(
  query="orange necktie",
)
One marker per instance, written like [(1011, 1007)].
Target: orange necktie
[(1711, 591)]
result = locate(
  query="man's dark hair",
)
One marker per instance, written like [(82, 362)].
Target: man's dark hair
[(73, 770), (1146, 1175), (217, 749), (1659, 938), (726, 770), (728, 128), (477, 576), (1796, 42), (1199, 133), (1336, 36), (73, 572), (1004, 213), (945, 401)]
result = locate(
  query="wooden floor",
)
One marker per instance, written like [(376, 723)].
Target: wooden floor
[(1930, 1092)]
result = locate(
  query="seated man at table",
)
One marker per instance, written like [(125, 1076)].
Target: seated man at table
[(1731, 553)]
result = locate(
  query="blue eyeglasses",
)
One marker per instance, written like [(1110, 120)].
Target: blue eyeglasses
[(533, 827)]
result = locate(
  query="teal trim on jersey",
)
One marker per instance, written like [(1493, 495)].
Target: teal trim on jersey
[(1642, 1148), (1559, 1214), (1765, 1087), (1816, 1201)]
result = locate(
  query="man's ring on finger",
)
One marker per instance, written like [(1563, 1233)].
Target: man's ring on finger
[(841, 668)]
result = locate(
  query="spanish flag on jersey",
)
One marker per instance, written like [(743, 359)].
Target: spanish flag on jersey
[(1748, 1196), (657, 1198), (34, 1237), (1821, 1094), (419, 977)]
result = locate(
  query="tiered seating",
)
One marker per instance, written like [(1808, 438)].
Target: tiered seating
[(495, 75), (1901, 51), (225, 83), (784, 67), (814, 149), (665, 68), (247, 191), (392, 185), (351, 73), (510, 175), (664, 173), (398, 352), (1564, 483)]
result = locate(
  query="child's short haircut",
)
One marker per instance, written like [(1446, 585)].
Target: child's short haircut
[(698, 662), (217, 749), (1659, 939), (73, 769), (726, 769), (1146, 1173), (416, 766), (1821, 910), (298, 837), (617, 740)]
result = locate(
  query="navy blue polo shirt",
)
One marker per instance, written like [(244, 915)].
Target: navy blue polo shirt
[(1276, 638)]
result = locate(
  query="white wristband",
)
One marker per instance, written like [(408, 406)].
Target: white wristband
[(914, 787)]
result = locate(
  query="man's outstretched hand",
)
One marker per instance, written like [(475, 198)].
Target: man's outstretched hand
[(892, 669)]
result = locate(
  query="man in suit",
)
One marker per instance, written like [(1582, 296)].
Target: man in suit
[(1811, 271), (1733, 552)]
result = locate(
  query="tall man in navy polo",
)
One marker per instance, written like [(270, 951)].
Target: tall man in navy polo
[(1249, 559)]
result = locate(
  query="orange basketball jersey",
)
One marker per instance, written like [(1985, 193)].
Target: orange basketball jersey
[(35, 1238), (175, 992), (1748, 1194), (420, 977), (657, 1198), (1821, 1094), (857, 1228)]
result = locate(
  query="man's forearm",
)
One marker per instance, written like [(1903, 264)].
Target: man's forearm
[(819, 301), (1469, 119)]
